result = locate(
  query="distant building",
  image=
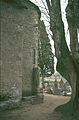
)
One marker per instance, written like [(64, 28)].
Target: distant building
[(57, 84)]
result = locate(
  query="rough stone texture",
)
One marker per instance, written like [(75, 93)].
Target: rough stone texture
[(11, 42), (9, 104), (19, 40), (34, 99)]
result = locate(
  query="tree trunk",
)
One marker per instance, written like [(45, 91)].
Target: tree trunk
[(66, 62), (72, 11)]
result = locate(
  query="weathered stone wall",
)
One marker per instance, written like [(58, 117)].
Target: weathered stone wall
[(11, 52), (19, 40), (30, 45)]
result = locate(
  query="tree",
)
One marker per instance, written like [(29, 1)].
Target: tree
[(67, 61), (46, 57), (72, 11)]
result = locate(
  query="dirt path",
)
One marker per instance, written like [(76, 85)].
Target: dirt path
[(42, 111)]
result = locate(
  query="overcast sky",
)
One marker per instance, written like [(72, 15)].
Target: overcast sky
[(46, 20)]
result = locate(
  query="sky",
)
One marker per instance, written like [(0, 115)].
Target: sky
[(46, 20)]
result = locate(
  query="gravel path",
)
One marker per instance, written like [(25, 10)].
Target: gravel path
[(44, 111)]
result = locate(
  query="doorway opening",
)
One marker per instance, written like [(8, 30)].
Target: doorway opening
[(56, 85)]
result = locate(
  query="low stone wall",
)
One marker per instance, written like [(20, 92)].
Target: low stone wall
[(11, 104)]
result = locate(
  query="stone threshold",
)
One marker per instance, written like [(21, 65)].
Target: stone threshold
[(34, 99)]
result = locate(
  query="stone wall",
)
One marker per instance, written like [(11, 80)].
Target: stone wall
[(19, 48)]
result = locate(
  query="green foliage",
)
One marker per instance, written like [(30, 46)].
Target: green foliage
[(46, 58)]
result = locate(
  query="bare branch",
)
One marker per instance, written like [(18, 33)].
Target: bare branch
[(45, 7), (47, 20), (45, 14), (48, 4)]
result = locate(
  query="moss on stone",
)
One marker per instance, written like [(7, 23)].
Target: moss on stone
[(4, 97)]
